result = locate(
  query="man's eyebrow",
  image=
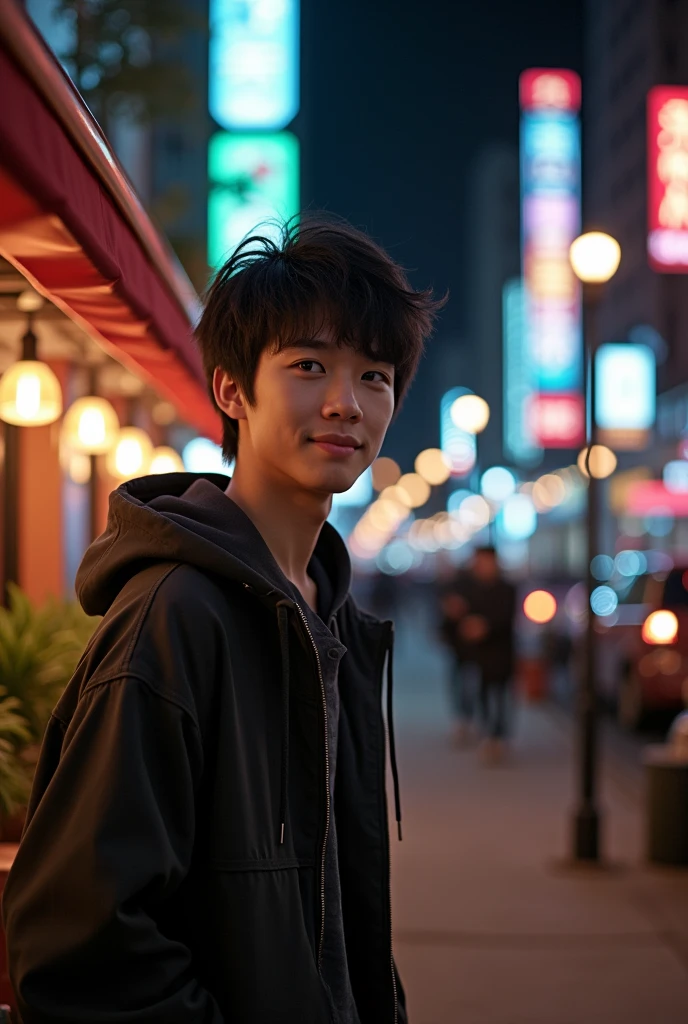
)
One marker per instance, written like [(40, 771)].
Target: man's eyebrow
[(323, 345), (314, 343)]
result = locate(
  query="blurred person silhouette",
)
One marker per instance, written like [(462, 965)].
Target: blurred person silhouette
[(462, 681), (486, 631)]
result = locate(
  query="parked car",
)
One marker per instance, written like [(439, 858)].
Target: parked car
[(643, 652)]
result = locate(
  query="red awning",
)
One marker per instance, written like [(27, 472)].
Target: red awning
[(71, 223)]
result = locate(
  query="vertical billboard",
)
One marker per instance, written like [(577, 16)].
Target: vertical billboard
[(519, 442), (625, 394), (667, 178), (254, 63), (550, 220), (254, 185)]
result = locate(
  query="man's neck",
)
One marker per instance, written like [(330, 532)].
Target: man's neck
[(288, 520)]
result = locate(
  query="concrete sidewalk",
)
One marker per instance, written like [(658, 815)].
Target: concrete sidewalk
[(489, 928)]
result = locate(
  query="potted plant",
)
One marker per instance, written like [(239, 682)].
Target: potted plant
[(39, 650)]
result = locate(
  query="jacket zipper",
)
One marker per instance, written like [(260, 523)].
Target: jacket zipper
[(327, 790), (390, 650)]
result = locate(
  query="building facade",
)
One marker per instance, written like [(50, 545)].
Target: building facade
[(631, 46)]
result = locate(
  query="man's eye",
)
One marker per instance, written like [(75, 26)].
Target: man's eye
[(308, 364), (370, 374)]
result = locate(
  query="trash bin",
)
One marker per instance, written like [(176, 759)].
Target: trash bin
[(666, 768)]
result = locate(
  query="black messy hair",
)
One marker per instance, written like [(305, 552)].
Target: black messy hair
[(321, 271)]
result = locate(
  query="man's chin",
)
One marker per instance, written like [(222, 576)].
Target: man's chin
[(334, 481)]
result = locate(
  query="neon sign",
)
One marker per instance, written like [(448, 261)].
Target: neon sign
[(667, 164), (254, 180), (254, 63), (550, 188), (518, 376), (625, 394)]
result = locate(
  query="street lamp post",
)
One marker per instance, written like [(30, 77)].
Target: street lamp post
[(595, 259)]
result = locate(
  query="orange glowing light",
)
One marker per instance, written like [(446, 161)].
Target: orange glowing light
[(540, 606), (660, 628)]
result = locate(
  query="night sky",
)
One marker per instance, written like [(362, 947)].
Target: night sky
[(398, 97)]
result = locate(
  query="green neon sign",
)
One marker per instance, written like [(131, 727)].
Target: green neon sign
[(253, 179)]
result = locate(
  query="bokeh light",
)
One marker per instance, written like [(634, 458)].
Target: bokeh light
[(518, 517), (661, 627), (202, 456), (417, 489), (497, 483), (433, 466), (386, 473), (396, 558), (548, 492), (398, 494), (630, 563), (602, 567), (660, 523), (90, 426), (595, 257), (166, 460), (540, 606), (131, 455), (675, 475), (470, 413), (602, 462), (455, 498), (576, 603), (604, 601), (474, 512)]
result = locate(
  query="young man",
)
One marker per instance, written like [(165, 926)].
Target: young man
[(207, 836)]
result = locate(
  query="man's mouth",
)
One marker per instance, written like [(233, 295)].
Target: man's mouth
[(336, 444)]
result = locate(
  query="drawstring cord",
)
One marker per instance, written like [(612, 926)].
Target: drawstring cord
[(390, 732), (283, 625)]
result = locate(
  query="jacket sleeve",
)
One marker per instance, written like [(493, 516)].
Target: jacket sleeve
[(107, 845)]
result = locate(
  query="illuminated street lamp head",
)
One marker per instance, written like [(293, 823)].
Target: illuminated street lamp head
[(470, 413), (600, 464), (595, 257)]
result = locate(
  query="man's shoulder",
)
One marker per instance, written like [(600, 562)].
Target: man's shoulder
[(165, 611), (175, 587)]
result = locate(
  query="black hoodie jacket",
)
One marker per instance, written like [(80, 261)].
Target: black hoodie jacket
[(172, 866)]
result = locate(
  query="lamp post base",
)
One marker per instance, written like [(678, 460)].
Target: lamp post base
[(587, 835)]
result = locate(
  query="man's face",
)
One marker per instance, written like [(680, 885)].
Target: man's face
[(320, 414)]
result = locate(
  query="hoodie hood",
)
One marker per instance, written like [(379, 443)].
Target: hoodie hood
[(187, 517)]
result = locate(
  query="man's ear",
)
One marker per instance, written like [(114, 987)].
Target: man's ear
[(227, 395)]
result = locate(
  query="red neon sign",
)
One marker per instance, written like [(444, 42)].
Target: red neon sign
[(557, 420), (667, 178), (651, 497), (553, 88)]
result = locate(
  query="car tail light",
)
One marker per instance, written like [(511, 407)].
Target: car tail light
[(660, 628)]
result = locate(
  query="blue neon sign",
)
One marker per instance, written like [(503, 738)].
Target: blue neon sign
[(625, 387), (254, 63), (519, 375)]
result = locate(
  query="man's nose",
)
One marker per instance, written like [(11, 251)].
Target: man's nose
[(341, 401)]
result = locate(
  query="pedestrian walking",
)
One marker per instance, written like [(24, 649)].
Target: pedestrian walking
[(462, 670), (487, 630), (207, 834)]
